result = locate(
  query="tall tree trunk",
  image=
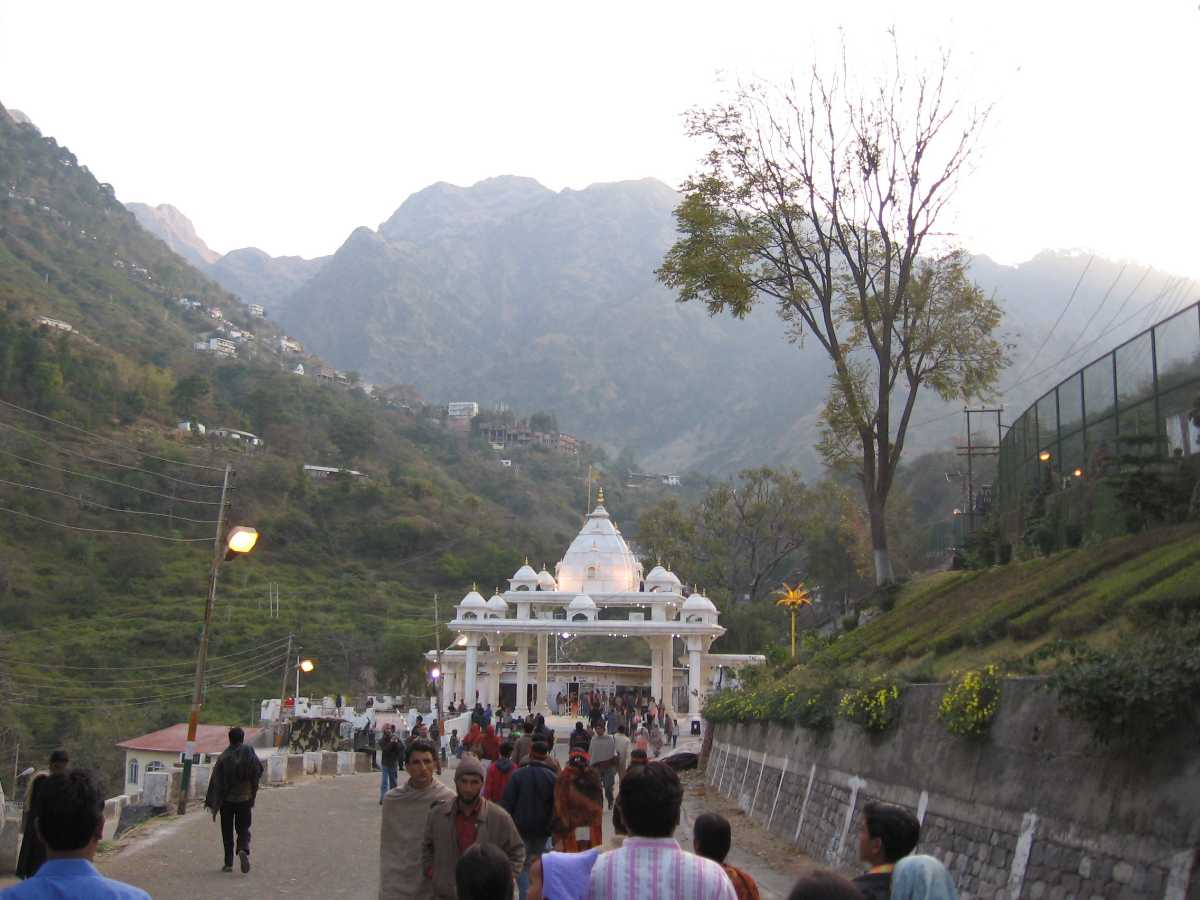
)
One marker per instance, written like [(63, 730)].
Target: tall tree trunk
[(879, 542)]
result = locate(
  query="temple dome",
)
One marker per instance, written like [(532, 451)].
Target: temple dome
[(473, 600), (698, 603), (598, 560), (497, 605), (546, 581), (525, 573), (662, 579)]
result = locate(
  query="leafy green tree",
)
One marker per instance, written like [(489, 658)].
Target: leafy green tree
[(822, 200), (544, 422), (190, 391)]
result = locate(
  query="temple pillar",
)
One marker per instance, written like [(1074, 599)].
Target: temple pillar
[(472, 667), (668, 697), (494, 670), (695, 650), (447, 687), (655, 668), (543, 674), (522, 705)]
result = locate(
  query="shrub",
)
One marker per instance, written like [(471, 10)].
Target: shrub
[(873, 704), (849, 621), (1137, 693), (970, 702)]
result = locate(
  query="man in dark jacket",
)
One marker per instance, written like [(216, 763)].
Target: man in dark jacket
[(391, 758), (529, 799), (232, 788), (886, 834)]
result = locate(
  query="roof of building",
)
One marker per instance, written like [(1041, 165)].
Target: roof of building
[(210, 739), (496, 603), (599, 560), (698, 602), (525, 573), (474, 599)]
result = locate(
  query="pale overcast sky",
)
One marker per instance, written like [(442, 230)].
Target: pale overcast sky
[(286, 125)]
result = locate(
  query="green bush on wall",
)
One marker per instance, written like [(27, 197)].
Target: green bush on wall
[(873, 704)]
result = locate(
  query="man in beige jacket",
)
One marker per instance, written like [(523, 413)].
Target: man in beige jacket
[(459, 823), (405, 810)]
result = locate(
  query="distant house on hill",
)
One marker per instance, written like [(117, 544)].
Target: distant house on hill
[(189, 427), (55, 324), (467, 409), (256, 311), (233, 434), (290, 345), (166, 748), (327, 473), (298, 369), (218, 345)]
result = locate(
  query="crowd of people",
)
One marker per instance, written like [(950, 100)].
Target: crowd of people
[(523, 825)]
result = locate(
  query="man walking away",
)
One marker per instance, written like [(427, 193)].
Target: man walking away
[(391, 757), (624, 746), (524, 743), (33, 850), (711, 838), (529, 799), (886, 834), (468, 819), (498, 774), (405, 810), (71, 821), (579, 739), (232, 788), (650, 865), (603, 753)]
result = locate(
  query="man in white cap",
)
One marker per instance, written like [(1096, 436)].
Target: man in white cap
[(405, 810)]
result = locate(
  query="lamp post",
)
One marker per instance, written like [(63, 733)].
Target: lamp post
[(305, 666), (240, 539)]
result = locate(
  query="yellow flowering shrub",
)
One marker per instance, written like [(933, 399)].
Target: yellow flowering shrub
[(874, 704), (971, 701)]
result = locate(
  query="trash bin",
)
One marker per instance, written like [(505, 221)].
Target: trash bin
[(695, 727)]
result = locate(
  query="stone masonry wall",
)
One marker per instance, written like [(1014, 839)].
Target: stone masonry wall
[(1032, 811)]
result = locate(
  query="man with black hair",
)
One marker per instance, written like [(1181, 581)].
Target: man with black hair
[(886, 834), (33, 850), (71, 822), (405, 810), (712, 838), (529, 799), (651, 865), (232, 789)]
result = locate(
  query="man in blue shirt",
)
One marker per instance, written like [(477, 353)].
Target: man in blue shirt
[(71, 822)]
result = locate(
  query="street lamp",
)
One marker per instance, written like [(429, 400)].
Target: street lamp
[(305, 666), (226, 545), (1044, 456)]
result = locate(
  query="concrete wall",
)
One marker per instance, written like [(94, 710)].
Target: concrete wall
[(1031, 811)]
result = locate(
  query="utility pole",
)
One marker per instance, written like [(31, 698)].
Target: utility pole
[(970, 452), (437, 682), (202, 653), (287, 662)]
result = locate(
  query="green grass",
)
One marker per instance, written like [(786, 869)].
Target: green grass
[(951, 620)]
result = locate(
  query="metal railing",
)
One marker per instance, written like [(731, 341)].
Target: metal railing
[(1143, 387)]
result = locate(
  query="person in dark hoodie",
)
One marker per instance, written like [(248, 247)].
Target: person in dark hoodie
[(498, 774), (232, 789), (529, 799)]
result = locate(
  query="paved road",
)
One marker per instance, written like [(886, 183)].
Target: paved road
[(316, 839), (321, 839)]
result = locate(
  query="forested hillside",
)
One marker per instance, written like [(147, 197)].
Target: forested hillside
[(107, 509)]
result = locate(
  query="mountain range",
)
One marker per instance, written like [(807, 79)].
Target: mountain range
[(509, 292)]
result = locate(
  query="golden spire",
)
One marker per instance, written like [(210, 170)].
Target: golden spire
[(600, 495)]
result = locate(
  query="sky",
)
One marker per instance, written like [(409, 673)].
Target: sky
[(287, 125)]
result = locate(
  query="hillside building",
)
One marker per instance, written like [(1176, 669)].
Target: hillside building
[(166, 748)]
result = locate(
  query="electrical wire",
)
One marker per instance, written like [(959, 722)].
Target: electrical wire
[(1054, 327), (92, 503), (174, 462), (255, 649), (119, 484), (1096, 311), (145, 534), (178, 680), (108, 462)]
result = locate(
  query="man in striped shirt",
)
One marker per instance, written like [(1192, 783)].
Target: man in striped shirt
[(651, 865)]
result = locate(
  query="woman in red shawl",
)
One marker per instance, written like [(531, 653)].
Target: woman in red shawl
[(578, 822), (491, 745), (473, 742)]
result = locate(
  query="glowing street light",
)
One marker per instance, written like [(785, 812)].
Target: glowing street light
[(306, 665), (242, 539), (1044, 456), (435, 673)]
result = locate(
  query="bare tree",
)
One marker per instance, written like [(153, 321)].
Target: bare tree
[(822, 198)]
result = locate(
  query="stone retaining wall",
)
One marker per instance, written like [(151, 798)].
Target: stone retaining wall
[(1033, 811)]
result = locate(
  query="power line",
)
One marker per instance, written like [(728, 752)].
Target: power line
[(1054, 327), (89, 502), (107, 462), (174, 680), (1097, 310), (174, 462), (119, 484), (256, 649), (157, 537)]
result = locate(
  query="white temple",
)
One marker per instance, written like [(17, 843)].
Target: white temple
[(597, 589)]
